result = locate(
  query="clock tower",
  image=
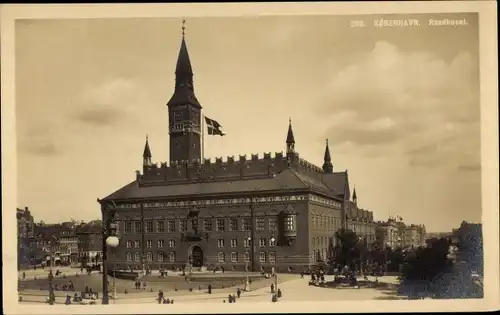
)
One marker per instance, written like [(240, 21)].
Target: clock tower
[(184, 112)]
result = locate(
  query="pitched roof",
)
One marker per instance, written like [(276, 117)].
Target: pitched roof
[(338, 182), (285, 180)]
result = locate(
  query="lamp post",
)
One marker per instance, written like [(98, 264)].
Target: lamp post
[(247, 280), (275, 270), (111, 241), (52, 296)]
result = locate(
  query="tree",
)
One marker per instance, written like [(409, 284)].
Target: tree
[(348, 249), (424, 268)]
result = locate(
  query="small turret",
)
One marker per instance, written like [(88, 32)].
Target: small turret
[(290, 140), (327, 164), (354, 196), (146, 156)]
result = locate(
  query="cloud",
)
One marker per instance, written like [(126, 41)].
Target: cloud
[(408, 102), (469, 167), (43, 149), (109, 102), (100, 117)]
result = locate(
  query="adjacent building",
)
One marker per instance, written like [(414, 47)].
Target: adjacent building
[(25, 233), (90, 243), (257, 211)]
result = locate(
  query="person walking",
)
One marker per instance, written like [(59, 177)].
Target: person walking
[(238, 293), (209, 289), (272, 288), (160, 297)]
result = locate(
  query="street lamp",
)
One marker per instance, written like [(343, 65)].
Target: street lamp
[(275, 270), (52, 296), (247, 281), (112, 241)]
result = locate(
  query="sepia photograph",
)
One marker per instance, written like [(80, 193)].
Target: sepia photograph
[(200, 158)]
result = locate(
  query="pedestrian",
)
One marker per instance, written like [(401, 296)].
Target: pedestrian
[(302, 275), (68, 300), (238, 292), (279, 293), (144, 285), (24, 275), (160, 296), (222, 269), (209, 289), (272, 288), (86, 289), (230, 298), (234, 298)]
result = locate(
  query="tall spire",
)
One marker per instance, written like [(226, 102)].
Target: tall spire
[(327, 160), (147, 153), (184, 88), (290, 140), (354, 196)]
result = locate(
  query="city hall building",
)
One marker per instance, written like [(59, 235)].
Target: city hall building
[(256, 211)]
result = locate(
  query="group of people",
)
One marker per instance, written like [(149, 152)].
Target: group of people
[(138, 284), (162, 300)]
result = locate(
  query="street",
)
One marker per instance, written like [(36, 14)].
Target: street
[(295, 289)]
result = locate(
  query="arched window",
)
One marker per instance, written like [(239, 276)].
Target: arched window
[(149, 256), (160, 257)]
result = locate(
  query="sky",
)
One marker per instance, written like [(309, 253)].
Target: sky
[(399, 105)]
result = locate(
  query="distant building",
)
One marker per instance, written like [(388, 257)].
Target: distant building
[(90, 243), (25, 233), (56, 241), (360, 221), (394, 233)]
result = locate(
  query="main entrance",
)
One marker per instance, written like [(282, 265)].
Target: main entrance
[(197, 256)]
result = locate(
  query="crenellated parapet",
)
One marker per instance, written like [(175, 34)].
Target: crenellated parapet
[(242, 166)]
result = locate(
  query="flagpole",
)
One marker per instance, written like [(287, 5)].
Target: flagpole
[(202, 139)]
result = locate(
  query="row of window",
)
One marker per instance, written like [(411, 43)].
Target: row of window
[(263, 242), (221, 257), (326, 223), (322, 241), (158, 226)]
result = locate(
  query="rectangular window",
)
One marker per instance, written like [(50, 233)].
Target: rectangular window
[(129, 244), (247, 224), (161, 243), (138, 226), (207, 225), (234, 257), (290, 223), (149, 243), (220, 242), (171, 226), (220, 257), (262, 242), (272, 257), (171, 256), (159, 257), (234, 242), (247, 242), (171, 243), (160, 226), (149, 226), (247, 257), (137, 256), (233, 224), (149, 256), (137, 244), (129, 256), (259, 224), (128, 227), (220, 225), (273, 224), (262, 257), (182, 225)]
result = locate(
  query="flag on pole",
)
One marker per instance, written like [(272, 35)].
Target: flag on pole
[(213, 127)]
